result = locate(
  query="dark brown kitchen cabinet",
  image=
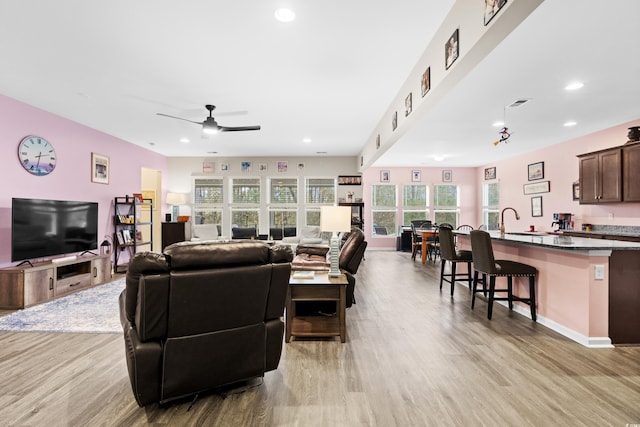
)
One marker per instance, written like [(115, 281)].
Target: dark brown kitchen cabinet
[(631, 172), (601, 176)]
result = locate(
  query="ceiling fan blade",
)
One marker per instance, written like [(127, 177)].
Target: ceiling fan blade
[(232, 113), (237, 128), (179, 118)]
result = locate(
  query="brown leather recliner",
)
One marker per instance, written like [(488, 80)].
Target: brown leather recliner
[(203, 315), (351, 255)]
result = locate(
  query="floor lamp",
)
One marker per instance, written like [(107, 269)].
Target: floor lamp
[(335, 219)]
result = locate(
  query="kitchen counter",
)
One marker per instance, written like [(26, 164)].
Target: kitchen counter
[(561, 242), (587, 288)]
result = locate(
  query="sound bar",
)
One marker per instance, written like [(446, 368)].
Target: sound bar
[(64, 259)]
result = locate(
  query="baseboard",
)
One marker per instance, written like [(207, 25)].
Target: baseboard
[(591, 342)]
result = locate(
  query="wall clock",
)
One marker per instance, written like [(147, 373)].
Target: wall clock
[(37, 155)]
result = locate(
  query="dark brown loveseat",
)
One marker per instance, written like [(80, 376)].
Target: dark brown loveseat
[(203, 315)]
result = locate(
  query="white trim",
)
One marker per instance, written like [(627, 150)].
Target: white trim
[(591, 342)]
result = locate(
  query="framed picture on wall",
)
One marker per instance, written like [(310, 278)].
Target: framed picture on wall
[(408, 104), (447, 175), (491, 9), (451, 49), (575, 190), (384, 176), (99, 168), (536, 171), (536, 206), (426, 81), (415, 176), (490, 173)]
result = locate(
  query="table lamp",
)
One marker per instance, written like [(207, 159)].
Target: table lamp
[(335, 219), (176, 199)]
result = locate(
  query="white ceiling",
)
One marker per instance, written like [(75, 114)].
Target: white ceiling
[(330, 75)]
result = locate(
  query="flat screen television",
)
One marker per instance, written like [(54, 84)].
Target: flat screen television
[(44, 228)]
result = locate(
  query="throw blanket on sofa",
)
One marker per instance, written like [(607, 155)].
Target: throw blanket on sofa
[(305, 261)]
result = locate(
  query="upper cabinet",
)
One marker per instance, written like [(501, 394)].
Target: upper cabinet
[(631, 172), (601, 176)]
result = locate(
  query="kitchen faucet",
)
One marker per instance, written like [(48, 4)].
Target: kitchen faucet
[(502, 219)]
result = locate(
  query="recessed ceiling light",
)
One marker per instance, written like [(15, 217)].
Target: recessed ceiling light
[(574, 86), (321, 152), (306, 140), (569, 124), (152, 143), (212, 152), (497, 124), (184, 140), (438, 158), (284, 15)]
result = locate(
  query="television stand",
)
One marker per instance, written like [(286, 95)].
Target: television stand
[(26, 285)]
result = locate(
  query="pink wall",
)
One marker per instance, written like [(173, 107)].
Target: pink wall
[(561, 169), (463, 177), (71, 179)]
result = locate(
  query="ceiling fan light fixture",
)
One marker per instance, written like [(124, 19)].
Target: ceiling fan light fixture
[(284, 14), (209, 130)]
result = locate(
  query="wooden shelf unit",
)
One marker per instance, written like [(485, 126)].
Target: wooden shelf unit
[(26, 285), (134, 218)]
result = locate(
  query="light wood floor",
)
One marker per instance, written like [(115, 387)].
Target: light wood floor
[(413, 357)]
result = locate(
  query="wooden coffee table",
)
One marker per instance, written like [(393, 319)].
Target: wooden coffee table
[(320, 287)]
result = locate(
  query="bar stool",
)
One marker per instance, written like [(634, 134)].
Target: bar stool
[(485, 263), (449, 253)]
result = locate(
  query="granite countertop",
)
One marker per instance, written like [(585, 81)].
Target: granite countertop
[(555, 241), (603, 233)]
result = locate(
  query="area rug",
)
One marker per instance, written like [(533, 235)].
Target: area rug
[(94, 310)]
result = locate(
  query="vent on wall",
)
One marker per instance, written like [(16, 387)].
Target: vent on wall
[(518, 102)]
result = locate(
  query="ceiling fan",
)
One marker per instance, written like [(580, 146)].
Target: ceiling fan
[(210, 126)]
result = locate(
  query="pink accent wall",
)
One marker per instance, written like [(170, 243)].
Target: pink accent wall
[(561, 169), (463, 177), (71, 179)]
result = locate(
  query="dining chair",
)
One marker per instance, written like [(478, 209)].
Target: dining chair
[(416, 238), (433, 243), (485, 263), (448, 253)]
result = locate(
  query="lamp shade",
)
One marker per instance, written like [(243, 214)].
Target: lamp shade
[(335, 218), (176, 199)]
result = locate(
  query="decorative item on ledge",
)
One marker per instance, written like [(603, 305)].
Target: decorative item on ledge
[(634, 134), (349, 180)]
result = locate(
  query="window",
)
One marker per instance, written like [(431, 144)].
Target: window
[(283, 202), (321, 191), (245, 191), (383, 210), (318, 192), (283, 191), (415, 202), (208, 196), (446, 204), (491, 205), (245, 200)]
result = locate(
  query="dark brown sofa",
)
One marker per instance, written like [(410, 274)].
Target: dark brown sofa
[(203, 315)]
